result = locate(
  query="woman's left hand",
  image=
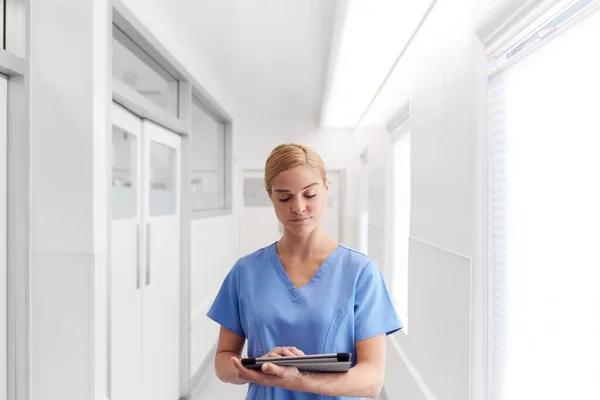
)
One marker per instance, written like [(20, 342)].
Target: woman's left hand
[(271, 374)]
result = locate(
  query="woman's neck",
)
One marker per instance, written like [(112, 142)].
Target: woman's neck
[(304, 247)]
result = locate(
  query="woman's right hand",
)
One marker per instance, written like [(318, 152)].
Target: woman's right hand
[(276, 352), (285, 351), (271, 374)]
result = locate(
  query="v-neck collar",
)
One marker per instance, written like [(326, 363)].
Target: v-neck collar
[(294, 291)]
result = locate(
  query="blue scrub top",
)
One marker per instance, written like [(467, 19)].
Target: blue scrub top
[(345, 301)]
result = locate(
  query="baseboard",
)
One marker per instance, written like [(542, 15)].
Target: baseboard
[(203, 371)]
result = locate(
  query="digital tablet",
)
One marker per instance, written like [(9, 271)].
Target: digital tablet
[(335, 362)]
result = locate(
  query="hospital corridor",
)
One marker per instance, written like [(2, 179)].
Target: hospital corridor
[(379, 199)]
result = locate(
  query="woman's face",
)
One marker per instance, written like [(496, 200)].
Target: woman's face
[(299, 197)]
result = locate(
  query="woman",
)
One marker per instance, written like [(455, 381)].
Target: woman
[(305, 294)]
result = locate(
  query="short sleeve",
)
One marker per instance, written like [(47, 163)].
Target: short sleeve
[(225, 310), (374, 313)]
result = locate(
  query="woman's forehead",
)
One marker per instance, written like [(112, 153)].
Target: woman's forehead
[(296, 179)]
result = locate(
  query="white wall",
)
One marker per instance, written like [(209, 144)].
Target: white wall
[(69, 198), (442, 78), (216, 247)]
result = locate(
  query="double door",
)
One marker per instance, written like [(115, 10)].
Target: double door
[(145, 260)]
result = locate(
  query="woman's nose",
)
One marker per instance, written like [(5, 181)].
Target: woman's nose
[(298, 206)]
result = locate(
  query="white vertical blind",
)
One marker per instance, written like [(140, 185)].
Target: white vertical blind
[(545, 220)]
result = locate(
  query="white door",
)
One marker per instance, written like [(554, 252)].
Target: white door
[(260, 226), (161, 268), (145, 260), (125, 348), (3, 238)]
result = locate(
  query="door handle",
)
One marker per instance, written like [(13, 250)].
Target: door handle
[(148, 252), (138, 259)]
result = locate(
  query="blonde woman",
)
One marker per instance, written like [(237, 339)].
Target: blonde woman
[(305, 294)]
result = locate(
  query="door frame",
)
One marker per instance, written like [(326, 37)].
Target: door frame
[(15, 68)]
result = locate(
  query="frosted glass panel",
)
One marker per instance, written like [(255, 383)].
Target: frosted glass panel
[(124, 175), (162, 179), (208, 160), (133, 67)]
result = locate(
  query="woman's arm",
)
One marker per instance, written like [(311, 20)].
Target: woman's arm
[(230, 345), (365, 379)]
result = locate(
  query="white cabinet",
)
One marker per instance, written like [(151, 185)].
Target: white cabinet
[(145, 260)]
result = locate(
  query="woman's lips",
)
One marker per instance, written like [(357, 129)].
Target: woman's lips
[(301, 220)]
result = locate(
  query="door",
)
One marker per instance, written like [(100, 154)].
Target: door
[(145, 260), (3, 237), (161, 267), (125, 342)]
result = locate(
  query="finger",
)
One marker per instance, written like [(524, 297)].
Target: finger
[(296, 351), (275, 370), (287, 352)]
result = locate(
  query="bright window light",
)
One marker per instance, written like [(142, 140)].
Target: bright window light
[(372, 37), (544, 204)]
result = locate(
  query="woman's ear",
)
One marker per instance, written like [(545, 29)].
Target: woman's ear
[(326, 182)]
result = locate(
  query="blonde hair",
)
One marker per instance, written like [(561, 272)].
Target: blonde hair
[(290, 155)]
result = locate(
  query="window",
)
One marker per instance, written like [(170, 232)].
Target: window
[(2, 24), (13, 24), (136, 69), (162, 179), (400, 216), (544, 211), (124, 175), (208, 160)]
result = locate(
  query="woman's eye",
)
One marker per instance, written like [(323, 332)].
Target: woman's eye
[(310, 196), (284, 200)]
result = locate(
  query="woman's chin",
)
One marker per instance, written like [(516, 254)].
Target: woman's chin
[(301, 230)]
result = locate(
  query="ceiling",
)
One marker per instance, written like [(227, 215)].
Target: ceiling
[(272, 55)]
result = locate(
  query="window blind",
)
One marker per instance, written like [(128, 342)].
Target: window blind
[(544, 220)]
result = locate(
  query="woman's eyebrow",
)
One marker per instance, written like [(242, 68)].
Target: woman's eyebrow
[(287, 191)]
